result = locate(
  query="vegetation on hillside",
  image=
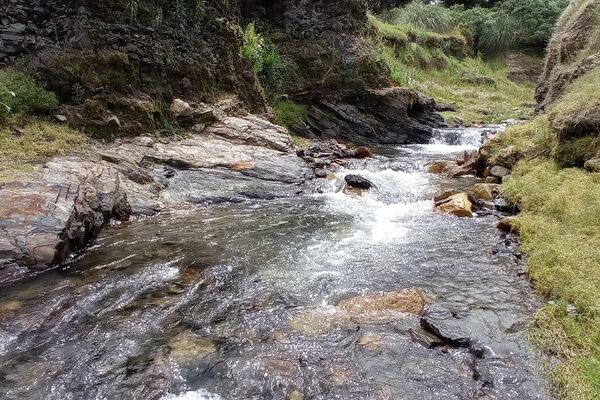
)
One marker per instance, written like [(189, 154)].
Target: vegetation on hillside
[(559, 230), (444, 67)]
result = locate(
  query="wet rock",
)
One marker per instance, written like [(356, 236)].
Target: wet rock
[(499, 171), (295, 395), (458, 205), (390, 115), (46, 215), (486, 191), (425, 338), (444, 194), (446, 325), (384, 306), (320, 173), (9, 307), (181, 109), (370, 341), (357, 181), (363, 152), (507, 225), (318, 321), (188, 347), (468, 164), (351, 191), (504, 205)]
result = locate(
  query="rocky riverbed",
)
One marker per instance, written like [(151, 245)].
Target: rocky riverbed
[(367, 294)]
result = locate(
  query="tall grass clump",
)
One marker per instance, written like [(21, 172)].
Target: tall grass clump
[(433, 17), (19, 93)]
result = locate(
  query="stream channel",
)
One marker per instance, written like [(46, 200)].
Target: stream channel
[(242, 301)]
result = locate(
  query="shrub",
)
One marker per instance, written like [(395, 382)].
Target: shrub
[(536, 18), (432, 17), (289, 114), (19, 93), (253, 47), (274, 70), (499, 33)]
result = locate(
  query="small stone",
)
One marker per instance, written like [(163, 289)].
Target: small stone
[(363, 152), (144, 141), (492, 179), (180, 108), (506, 225), (592, 165), (61, 118), (114, 120), (199, 128), (425, 339), (320, 173)]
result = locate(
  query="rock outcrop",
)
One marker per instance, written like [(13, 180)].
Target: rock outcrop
[(48, 214), (572, 51)]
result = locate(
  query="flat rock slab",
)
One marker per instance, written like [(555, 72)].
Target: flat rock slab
[(447, 326)]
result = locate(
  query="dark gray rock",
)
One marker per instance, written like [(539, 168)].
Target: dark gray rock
[(358, 181), (447, 326)]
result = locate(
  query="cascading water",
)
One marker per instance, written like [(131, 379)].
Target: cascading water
[(239, 301)]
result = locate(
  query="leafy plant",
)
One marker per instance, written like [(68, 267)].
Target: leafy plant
[(253, 47), (19, 93)]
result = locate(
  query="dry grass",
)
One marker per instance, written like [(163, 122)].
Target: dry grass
[(35, 141)]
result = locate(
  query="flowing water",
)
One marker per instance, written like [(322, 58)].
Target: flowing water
[(238, 301)]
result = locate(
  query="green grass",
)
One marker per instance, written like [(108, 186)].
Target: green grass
[(289, 114), (426, 61), (577, 111), (34, 142), (19, 93), (522, 141), (559, 233)]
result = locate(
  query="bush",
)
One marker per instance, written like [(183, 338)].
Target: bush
[(275, 71), (432, 17), (289, 114), (536, 18), (19, 93)]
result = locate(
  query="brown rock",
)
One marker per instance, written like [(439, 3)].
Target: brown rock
[(384, 305), (243, 166), (507, 225), (444, 194), (363, 152), (458, 205), (180, 109), (486, 191)]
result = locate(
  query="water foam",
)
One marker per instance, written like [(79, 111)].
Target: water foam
[(201, 394)]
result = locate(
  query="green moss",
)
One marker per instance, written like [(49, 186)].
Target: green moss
[(559, 233), (35, 141), (19, 93), (574, 153), (289, 114)]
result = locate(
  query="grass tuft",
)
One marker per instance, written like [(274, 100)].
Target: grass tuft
[(289, 114), (36, 141)]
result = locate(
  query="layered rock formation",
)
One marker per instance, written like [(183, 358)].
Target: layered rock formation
[(46, 215)]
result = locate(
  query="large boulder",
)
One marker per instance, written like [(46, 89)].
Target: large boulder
[(486, 191)]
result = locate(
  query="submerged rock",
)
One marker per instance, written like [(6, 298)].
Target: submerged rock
[(357, 181), (446, 325), (188, 347), (383, 306), (458, 205)]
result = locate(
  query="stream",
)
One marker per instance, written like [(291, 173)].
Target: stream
[(239, 301)]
